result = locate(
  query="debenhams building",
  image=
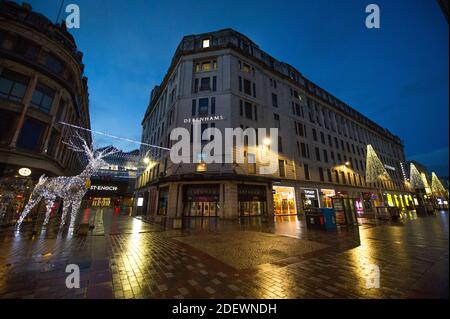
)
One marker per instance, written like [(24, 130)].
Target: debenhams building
[(227, 81)]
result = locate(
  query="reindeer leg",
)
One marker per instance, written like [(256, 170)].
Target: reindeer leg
[(50, 201), (31, 203), (66, 205), (75, 206)]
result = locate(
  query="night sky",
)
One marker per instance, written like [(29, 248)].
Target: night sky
[(397, 75)]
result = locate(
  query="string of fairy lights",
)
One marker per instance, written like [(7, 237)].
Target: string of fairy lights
[(136, 158)]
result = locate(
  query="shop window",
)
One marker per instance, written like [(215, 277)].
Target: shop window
[(31, 135), (284, 200), (13, 85), (42, 98)]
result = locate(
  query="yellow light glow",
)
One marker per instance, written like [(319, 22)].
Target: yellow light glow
[(146, 160), (266, 141)]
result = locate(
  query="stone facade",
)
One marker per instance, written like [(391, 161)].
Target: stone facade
[(229, 82)]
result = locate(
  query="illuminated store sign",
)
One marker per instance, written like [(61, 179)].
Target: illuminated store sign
[(108, 188), (24, 171), (204, 119)]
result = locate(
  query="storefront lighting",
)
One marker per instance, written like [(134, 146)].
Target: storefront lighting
[(24, 171), (146, 160)]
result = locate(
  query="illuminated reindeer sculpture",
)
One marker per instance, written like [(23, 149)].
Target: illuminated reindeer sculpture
[(70, 188)]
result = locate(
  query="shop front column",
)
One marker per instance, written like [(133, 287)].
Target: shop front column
[(231, 201), (173, 208), (270, 205)]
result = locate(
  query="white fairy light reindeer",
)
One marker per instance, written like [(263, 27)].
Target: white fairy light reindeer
[(70, 188)]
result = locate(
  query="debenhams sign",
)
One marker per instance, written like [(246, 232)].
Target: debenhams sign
[(204, 119)]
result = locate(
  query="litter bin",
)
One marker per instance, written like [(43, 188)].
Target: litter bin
[(315, 219), (329, 218)]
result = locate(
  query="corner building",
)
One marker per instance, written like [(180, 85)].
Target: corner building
[(226, 81), (41, 84)]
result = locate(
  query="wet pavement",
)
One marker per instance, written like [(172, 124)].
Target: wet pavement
[(125, 257)]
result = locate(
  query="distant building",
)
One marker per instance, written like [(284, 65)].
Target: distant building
[(113, 185)]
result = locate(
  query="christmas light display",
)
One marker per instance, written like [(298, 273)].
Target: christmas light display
[(70, 188), (375, 170), (416, 178), (436, 186)]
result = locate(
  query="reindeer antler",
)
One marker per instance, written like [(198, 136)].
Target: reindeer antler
[(107, 152), (85, 148)]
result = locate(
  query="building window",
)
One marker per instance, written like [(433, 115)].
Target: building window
[(329, 175), (205, 84), (306, 169), (325, 156), (274, 100), (248, 110), (54, 64), (213, 105), (254, 90), (322, 138), (281, 168), (321, 177), (247, 87), (27, 49), (276, 119), (206, 66), (194, 107), (240, 84), (205, 43), (314, 134), (241, 108), (13, 85), (317, 154), (42, 98), (246, 68), (203, 107), (30, 135), (214, 84)]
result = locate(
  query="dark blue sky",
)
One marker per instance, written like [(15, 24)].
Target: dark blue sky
[(397, 75)]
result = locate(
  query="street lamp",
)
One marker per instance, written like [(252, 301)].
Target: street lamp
[(266, 141), (146, 160)]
